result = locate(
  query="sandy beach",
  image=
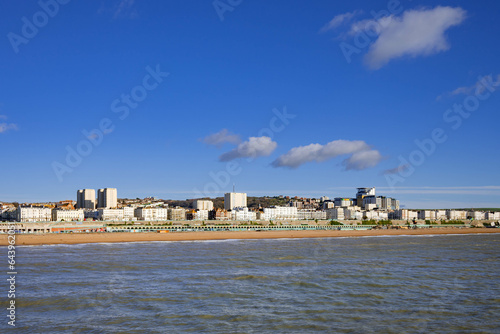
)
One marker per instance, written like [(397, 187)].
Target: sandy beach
[(79, 238)]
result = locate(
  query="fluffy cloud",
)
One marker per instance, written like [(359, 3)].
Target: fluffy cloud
[(222, 137), (4, 127), (415, 33), (252, 148), (478, 88), (338, 20), (362, 155), (362, 160)]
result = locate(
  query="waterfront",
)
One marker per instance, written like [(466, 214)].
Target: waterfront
[(225, 233), (412, 284)]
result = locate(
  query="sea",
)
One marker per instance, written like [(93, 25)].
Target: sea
[(396, 284)]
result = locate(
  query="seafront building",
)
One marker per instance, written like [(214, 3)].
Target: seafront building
[(335, 213), (243, 214), (440, 214), (67, 215), (376, 215), (311, 214), (176, 213), (85, 199), (151, 214), (110, 214), (129, 213), (456, 214), (492, 215), (427, 215), (476, 215), (365, 206), (203, 205), (353, 213), (33, 214), (403, 214), (219, 214), (235, 200), (278, 213), (107, 198), (197, 215)]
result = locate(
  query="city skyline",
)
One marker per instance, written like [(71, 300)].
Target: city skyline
[(309, 100), (89, 199)]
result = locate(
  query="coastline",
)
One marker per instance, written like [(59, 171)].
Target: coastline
[(81, 238)]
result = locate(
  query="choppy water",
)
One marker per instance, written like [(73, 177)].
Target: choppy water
[(445, 284)]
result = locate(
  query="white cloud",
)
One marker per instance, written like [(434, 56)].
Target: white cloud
[(4, 127), (222, 137), (252, 148), (362, 160), (414, 33), (362, 155), (338, 20), (478, 88)]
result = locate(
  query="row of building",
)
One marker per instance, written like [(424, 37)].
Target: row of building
[(404, 214), (152, 213), (365, 206)]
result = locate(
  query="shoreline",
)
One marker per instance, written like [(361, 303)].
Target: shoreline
[(86, 238)]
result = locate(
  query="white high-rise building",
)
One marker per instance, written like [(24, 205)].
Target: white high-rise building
[(203, 205), (235, 200), (107, 198), (85, 199)]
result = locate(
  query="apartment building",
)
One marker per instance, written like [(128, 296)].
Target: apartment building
[(107, 198), (33, 214), (85, 199), (235, 200), (203, 205), (67, 215)]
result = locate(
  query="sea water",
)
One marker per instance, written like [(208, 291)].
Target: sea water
[(421, 284)]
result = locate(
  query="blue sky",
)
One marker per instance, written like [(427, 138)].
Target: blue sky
[(306, 98)]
